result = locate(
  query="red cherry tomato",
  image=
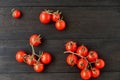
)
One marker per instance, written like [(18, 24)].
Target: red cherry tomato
[(92, 56), (30, 60), (38, 67), (20, 56), (82, 50), (46, 58), (71, 46), (45, 17), (55, 16), (16, 14), (85, 74), (95, 72), (99, 63), (82, 63), (60, 25), (35, 40), (71, 59)]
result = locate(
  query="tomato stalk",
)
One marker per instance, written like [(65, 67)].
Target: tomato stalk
[(90, 63)]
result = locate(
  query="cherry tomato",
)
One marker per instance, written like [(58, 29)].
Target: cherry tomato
[(92, 56), (20, 56), (95, 72), (55, 16), (30, 60), (82, 50), (45, 17), (82, 63), (35, 40), (99, 63), (71, 46), (38, 67), (46, 58), (60, 25), (16, 13), (71, 59), (85, 74)]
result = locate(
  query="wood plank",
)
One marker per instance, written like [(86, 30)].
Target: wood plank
[(107, 49), (82, 22), (56, 76), (60, 3)]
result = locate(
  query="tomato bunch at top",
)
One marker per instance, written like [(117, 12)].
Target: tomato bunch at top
[(33, 59), (87, 61), (48, 15)]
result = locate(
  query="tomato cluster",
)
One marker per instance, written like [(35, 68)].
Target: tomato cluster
[(48, 15), (87, 61), (37, 61)]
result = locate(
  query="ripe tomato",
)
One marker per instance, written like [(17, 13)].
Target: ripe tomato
[(85, 74), (60, 25), (82, 63), (46, 58), (55, 16), (71, 59), (20, 56), (95, 72), (45, 17), (100, 63), (16, 14), (38, 67), (30, 60), (35, 40), (71, 46), (82, 50), (92, 56)]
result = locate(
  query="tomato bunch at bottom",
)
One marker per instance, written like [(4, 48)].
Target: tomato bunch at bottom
[(87, 61)]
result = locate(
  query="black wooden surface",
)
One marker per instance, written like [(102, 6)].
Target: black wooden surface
[(95, 23)]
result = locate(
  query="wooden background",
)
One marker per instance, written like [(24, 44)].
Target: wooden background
[(94, 23)]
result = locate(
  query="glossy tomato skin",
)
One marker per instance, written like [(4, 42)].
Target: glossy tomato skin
[(45, 17), (60, 25), (82, 63), (35, 40), (16, 13), (20, 56), (71, 46), (82, 51), (71, 59), (85, 74), (46, 58), (55, 17), (38, 67), (30, 60), (92, 56), (99, 63), (95, 72)]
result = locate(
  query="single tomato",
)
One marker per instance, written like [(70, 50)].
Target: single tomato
[(60, 25), (71, 46), (35, 40), (20, 56), (71, 59)]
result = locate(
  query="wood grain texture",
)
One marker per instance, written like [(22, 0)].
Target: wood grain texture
[(94, 23), (59, 3)]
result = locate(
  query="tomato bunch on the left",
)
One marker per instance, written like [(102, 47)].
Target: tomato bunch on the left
[(37, 61)]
